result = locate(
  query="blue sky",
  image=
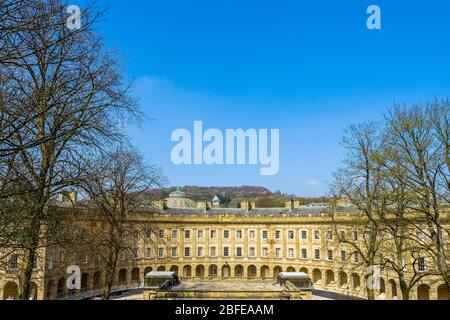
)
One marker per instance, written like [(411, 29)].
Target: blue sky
[(308, 68)]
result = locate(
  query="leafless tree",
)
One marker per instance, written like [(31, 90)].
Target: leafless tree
[(418, 138), (74, 100), (117, 184), (360, 180)]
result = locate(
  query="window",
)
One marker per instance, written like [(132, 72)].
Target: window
[(13, 261), (277, 234), (160, 252), (239, 234), (213, 234), (422, 264), (123, 255), (226, 251), (62, 258), (136, 234), (343, 256), (265, 252), (238, 252), (187, 234), (404, 263), (199, 234), (212, 251), (251, 251), (174, 233), (356, 257), (330, 255), (317, 254), (187, 251), (264, 234), (50, 264), (213, 270), (161, 233), (134, 253), (291, 235), (278, 252), (342, 235), (316, 235), (291, 253), (148, 253), (174, 252), (226, 234), (421, 237), (304, 253), (304, 234), (355, 235), (199, 251), (252, 234), (330, 235), (148, 233)]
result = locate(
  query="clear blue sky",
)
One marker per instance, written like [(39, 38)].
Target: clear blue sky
[(309, 68)]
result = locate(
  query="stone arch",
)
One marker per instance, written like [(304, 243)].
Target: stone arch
[(10, 291), (84, 282), (356, 281), (423, 292), (304, 270), (442, 292), (226, 271), (382, 286), (252, 271), (97, 281), (343, 279), (61, 288), (135, 277), (200, 271), (393, 294), (123, 277), (276, 271), (174, 269), (147, 270), (187, 271), (290, 269), (329, 278), (212, 270), (238, 271), (161, 268), (50, 290), (265, 272), (316, 276)]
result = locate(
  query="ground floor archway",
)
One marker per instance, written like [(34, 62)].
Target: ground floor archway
[(187, 271), (10, 291), (238, 271), (200, 271), (317, 276), (423, 292), (442, 292), (265, 272)]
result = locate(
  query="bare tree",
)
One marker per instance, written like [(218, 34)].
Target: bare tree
[(419, 142), (400, 227), (360, 180), (117, 184), (75, 100)]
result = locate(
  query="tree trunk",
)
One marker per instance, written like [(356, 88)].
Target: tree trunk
[(405, 290)]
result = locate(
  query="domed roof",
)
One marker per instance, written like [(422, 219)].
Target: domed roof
[(178, 200), (177, 194)]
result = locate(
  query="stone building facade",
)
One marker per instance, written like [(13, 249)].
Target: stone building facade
[(207, 243)]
